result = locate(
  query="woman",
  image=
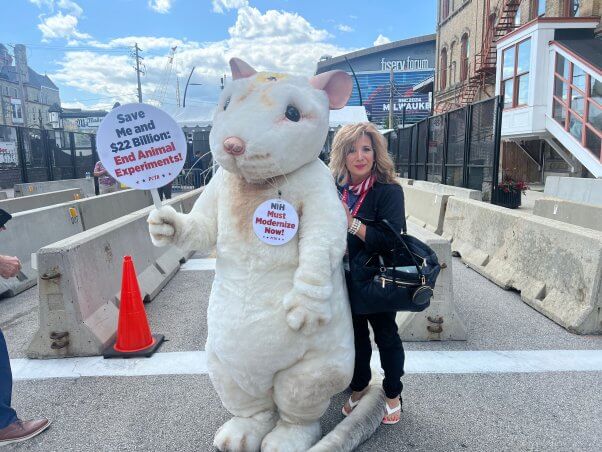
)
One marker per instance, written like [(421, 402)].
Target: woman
[(365, 176)]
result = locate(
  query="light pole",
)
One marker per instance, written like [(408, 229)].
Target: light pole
[(188, 83)]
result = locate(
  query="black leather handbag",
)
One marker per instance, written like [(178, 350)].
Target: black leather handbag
[(399, 279)]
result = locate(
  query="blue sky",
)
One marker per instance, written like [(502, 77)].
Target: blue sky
[(84, 45)]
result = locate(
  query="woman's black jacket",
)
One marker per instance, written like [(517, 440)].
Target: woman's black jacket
[(383, 201)]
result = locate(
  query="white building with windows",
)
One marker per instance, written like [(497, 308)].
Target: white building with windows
[(550, 73)]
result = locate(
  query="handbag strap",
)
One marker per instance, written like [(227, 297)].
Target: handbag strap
[(401, 239)]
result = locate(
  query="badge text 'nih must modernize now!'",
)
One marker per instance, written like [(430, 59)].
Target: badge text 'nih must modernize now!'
[(275, 222)]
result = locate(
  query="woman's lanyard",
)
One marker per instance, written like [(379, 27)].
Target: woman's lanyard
[(358, 203)]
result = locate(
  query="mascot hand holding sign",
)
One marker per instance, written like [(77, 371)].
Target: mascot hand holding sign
[(280, 341)]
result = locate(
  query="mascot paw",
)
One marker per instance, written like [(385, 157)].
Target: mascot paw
[(291, 437), (241, 434), (162, 226), (306, 314)]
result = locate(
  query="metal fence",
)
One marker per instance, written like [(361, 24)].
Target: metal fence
[(460, 147), (35, 155)]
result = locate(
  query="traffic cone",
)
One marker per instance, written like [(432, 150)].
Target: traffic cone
[(134, 336)]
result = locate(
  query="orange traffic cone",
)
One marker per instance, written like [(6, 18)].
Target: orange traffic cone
[(134, 337)]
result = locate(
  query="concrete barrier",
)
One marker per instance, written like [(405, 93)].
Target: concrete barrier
[(103, 208), (584, 215), (29, 231), (425, 208), (442, 189), (80, 280), (35, 188), (557, 267), (403, 181), (24, 203), (3, 195), (440, 322), (33, 229), (583, 190)]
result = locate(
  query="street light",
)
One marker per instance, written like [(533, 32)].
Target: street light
[(188, 83)]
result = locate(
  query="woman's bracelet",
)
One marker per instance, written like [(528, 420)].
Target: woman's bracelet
[(355, 226)]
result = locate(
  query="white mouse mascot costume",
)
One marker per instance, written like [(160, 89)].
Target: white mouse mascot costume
[(280, 340)]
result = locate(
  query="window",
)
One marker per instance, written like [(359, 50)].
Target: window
[(444, 9), (515, 74), (464, 56), (452, 64), (443, 76), (577, 104), (538, 8), (572, 8)]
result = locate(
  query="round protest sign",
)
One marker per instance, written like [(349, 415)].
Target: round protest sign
[(141, 146), (275, 222)]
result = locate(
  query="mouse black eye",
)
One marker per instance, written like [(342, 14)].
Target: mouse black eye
[(292, 114), (226, 103)]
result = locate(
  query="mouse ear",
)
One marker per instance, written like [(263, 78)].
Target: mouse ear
[(240, 69), (337, 84)]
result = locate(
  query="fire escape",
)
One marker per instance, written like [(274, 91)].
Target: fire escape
[(485, 60)]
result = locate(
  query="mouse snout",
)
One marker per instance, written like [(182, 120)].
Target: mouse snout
[(234, 146)]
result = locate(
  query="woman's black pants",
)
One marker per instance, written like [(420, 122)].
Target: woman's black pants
[(390, 348)]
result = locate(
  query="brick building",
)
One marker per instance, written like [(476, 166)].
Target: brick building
[(25, 95), (509, 48)]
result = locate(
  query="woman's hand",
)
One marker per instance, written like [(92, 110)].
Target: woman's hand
[(349, 217)]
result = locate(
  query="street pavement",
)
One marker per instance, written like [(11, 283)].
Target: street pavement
[(551, 410)]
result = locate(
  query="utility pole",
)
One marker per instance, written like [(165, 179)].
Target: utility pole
[(177, 90), (391, 80), (138, 70)]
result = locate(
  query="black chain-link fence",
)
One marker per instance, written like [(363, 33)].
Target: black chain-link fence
[(460, 148)]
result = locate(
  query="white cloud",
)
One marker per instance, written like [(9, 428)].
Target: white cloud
[(344, 28), (251, 24), (160, 6), (381, 40), (220, 6), (274, 41), (71, 6), (61, 26)]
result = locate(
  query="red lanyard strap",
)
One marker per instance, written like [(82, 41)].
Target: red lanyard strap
[(358, 203)]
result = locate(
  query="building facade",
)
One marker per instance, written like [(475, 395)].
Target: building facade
[(473, 64), (467, 31), (25, 95), (409, 62)]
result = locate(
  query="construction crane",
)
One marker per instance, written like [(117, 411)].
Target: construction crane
[(161, 90)]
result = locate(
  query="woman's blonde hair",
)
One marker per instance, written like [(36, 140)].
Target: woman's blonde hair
[(343, 142)]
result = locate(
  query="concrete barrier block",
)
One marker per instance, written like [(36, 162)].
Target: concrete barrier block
[(23, 203), (29, 231), (576, 189), (403, 181), (3, 195), (35, 188), (584, 215), (425, 208), (443, 189), (104, 208), (557, 267), (440, 321), (80, 281)]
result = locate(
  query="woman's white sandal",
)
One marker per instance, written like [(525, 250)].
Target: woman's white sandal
[(352, 405), (391, 411)]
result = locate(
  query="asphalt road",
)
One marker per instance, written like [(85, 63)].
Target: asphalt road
[(551, 411)]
